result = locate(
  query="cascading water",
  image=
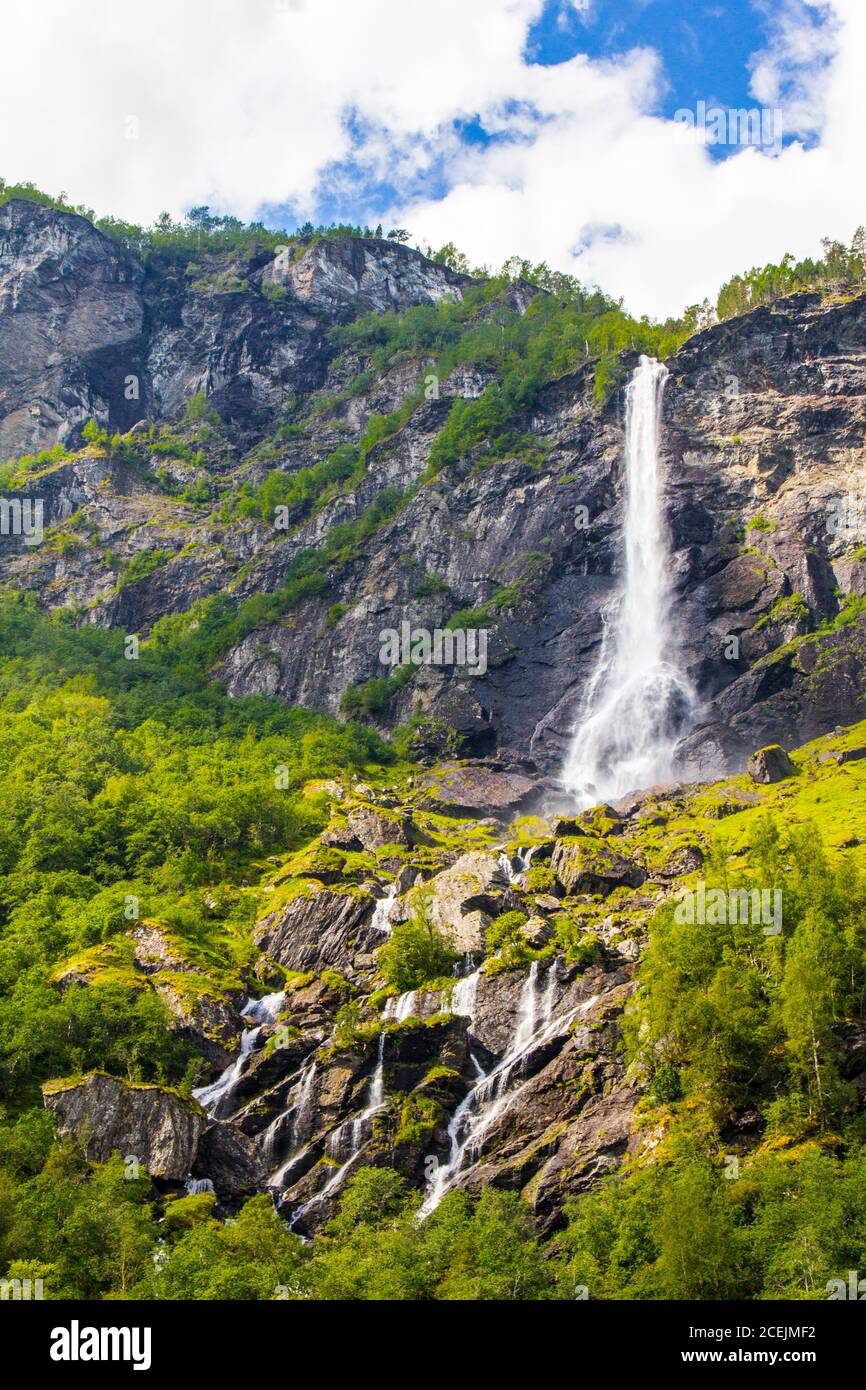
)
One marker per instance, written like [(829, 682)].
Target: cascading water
[(638, 703), (492, 1094), (463, 996), (196, 1186), (214, 1098), (400, 1006), (359, 1132), (381, 919), (515, 869)]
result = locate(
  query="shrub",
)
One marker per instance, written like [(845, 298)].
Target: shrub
[(415, 953)]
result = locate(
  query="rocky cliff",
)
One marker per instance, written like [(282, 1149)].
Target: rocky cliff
[(764, 427)]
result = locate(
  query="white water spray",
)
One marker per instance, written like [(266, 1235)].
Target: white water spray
[(638, 703), (381, 919), (215, 1098), (493, 1092)]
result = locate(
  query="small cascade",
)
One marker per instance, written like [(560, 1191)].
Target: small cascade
[(263, 1011), (358, 1129), (528, 1009), (515, 869), (400, 1006), (550, 990), (463, 996), (381, 919), (267, 1009), (304, 1105), (376, 1097), (492, 1093), (299, 1113), (212, 1098), (196, 1186)]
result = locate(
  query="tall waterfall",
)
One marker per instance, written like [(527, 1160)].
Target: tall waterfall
[(638, 703)]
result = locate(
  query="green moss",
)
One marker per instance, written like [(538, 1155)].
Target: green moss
[(761, 523), (183, 1212)]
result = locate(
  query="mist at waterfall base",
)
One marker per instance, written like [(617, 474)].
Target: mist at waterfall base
[(638, 703)]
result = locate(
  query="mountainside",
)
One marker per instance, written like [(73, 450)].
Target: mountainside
[(763, 445), (290, 927)]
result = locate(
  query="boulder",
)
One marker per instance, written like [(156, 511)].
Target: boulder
[(537, 932), (592, 866), (455, 789), (467, 896), (155, 951), (313, 930), (770, 764), (155, 1126), (843, 755), (598, 821), (373, 827), (341, 837), (683, 860)]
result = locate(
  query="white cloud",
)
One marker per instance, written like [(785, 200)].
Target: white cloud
[(790, 71), (245, 103)]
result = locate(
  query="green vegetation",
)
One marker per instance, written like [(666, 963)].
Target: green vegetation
[(416, 953), (133, 780)]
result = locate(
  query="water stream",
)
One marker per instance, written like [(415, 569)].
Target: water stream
[(638, 703)]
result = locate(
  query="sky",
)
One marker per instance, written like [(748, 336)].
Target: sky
[(593, 134)]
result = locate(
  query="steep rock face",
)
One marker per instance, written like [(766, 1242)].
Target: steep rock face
[(764, 418), (154, 1126), (71, 318), (315, 932), (363, 274), (86, 331)]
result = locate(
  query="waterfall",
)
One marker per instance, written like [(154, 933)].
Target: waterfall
[(637, 703), (515, 869), (376, 1098), (265, 1010), (304, 1105), (196, 1186), (381, 919), (359, 1130), (491, 1094), (212, 1098), (463, 996), (399, 1007)]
